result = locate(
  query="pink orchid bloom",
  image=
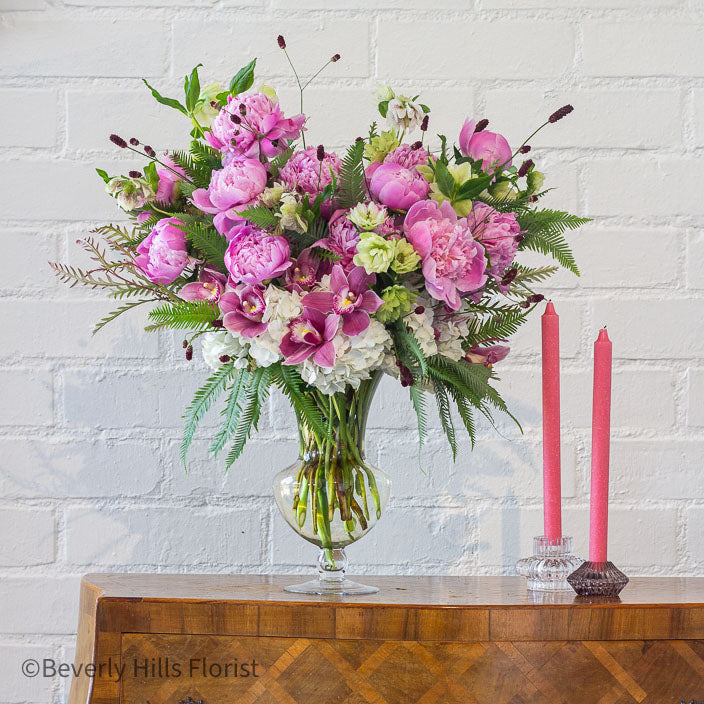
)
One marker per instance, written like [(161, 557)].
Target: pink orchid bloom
[(306, 271), (243, 310), (487, 355), (209, 287), (350, 298), (309, 335)]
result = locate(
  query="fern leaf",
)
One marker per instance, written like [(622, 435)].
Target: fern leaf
[(196, 171), (289, 381), (118, 311), (445, 414), (352, 183), (257, 392), (465, 412), (185, 315), (232, 411), (205, 154), (418, 401), (210, 244), (408, 349), (203, 399), (278, 162), (259, 215), (528, 275)]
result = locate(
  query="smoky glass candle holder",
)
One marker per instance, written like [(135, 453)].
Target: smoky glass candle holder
[(546, 570), (597, 579)]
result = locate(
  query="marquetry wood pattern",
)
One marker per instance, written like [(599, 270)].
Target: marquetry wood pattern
[(419, 640), (307, 671)]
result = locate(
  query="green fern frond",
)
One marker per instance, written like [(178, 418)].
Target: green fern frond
[(260, 216), (279, 161), (418, 401), (184, 315), (232, 411), (289, 381), (408, 349), (465, 412), (205, 154), (203, 399), (118, 311), (197, 171), (445, 414), (544, 229), (498, 327), (257, 393), (528, 275), (352, 183), (211, 245)]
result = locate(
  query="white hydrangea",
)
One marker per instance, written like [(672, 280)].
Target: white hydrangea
[(355, 358), (216, 344), (281, 306), (451, 333), (422, 326)]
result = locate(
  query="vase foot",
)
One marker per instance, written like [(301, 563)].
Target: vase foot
[(340, 587)]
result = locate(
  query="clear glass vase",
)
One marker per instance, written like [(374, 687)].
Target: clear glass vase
[(331, 495)]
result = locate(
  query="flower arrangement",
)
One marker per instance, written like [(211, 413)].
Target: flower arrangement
[(299, 269)]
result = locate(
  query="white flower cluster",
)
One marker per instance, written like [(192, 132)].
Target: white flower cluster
[(355, 358), (217, 344)]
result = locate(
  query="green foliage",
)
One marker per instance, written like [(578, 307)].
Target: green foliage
[(418, 401), (544, 229), (205, 154), (408, 350), (498, 327), (256, 394), (117, 312), (233, 410), (169, 102), (279, 161), (352, 180), (211, 245), (445, 413), (243, 79), (203, 399), (528, 275), (197, 171), (260, 216), (289, 381), (184, 315)]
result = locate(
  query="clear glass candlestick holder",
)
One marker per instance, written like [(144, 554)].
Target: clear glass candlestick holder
[(547, 569), (597, 579)]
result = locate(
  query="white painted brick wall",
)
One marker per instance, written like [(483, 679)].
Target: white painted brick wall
[(90, 477)]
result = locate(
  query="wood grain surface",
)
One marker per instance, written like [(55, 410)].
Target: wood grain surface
[(430, 631)]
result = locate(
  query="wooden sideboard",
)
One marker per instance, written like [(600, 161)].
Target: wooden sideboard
[(160, 639)]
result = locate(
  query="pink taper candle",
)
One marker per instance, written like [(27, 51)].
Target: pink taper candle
[(601, 433), (552, 493)]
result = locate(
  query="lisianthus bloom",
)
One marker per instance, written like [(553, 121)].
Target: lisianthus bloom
[(492, 148), (397, 187), (453, 261), (243, 310), (304, 173), (130, 193), (234, 187), (374, 253), (166, 190), (261, 130), (162, 255), (487, 355), (306, 271), (498, 232), (209, 287), (254, 256), (342, 239), (349, 296), (309, 335)]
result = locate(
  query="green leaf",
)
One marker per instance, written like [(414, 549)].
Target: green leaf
[(192, 89), (257, 393), (444, 179), (259, 215), (279, 161), (170, 102), (151, 176), (119, 311), (103, 174), (445, 414), (418, 401), (243, 79), (205, 154), (203, 399), (408, 350), (233, 410), (469, 189), (383, 107), (424, 108), (352, 180), (208, 241), (185, 315), (197, 170)]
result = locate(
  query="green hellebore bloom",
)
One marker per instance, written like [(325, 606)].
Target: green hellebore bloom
[(374, 253), (406, 259), (380, 146), (397, 301)]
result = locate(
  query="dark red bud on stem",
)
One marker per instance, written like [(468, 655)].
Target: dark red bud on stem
[(149, 151), (282, 42), (224, 358), (424, 124), (481, 125), (117, 140), (525, 149), (559, 114), (335, 58), (134, 142), (525, 167), (135, 174), (189, 353), (320, 152)]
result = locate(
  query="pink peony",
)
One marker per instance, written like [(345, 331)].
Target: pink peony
[(166, 190), (304, 173), (453, 261), (309, 335), (254, 256), (406, 155), (350, 297), (243, 310), (342, 239), (498, 232), (397, 187), (209, 287), (232, 188), (261, 130), (162, 255), (490, 147)]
